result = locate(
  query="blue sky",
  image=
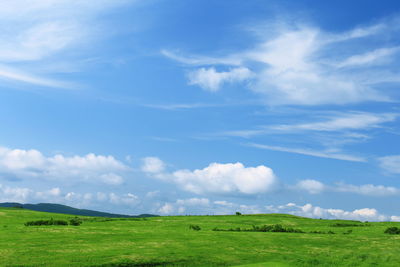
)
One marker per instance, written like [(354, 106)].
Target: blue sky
[(202, 107)]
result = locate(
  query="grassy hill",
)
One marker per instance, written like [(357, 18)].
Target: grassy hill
[(169, 241), (58, 208)]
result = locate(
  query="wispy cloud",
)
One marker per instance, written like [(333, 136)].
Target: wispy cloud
[(40, 32), (337, 122), (391, 164), (317, 187), (296, 65), (341, 122), (181, 106), (13, 75), (310, 152)]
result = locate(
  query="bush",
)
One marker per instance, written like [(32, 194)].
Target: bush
[(75, 221), (46, 222), (349, 224), (238, 213), (322, 232), (194, 227), (263, 228), (392, 230)]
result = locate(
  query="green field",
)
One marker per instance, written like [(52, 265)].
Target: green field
[(168, 241)]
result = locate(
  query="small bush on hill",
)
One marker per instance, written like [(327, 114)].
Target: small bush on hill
[(322, 232), (75, 221), (238, 213), (349, 224), (263, 228), (392, 230), (194, 227), (46, 222)]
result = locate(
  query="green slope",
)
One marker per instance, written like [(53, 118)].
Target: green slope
[(58, 208), (168, 241)]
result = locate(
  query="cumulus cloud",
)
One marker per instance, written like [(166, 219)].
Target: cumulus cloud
[(226, 178), (395, 218), (218, 178), (33, 164), (390, 164), (223, 207), (295, 64), (365, 214), (76, 199), (166, 209)]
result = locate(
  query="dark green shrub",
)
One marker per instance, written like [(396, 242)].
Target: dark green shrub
[(392, 230), (46, 222), (263, 228), (349, 224), (75, 221), (321, 232), (238, 213), (194, 227), (348, 232)]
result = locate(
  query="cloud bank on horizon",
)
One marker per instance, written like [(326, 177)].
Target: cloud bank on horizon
[(136, 107)]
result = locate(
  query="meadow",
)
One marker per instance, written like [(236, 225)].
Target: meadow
[(194, 241)]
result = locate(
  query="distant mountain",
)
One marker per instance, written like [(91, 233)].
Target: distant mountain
[(58, 208)]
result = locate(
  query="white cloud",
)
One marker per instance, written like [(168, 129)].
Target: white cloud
[(14, 194), (167, 208), (311, 186), (295, 65), (40, 31), (378, 56), (395, 218), (212, 80), (223, 203), (127, 199), (348, 121), (316, 187), (193, 202), (32, 163), (202, 60), (76, 199), (153, 165), (152, 194), (365, 214), (111, 178), (223, 207), (390, 164), (220, 178), (368, 189), (8, 74), (226, 178), (309, 152)]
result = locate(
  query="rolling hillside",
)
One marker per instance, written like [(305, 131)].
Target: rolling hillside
[(58, 208), (194, 241)]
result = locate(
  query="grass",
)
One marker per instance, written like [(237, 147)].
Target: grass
[(169, 241)]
